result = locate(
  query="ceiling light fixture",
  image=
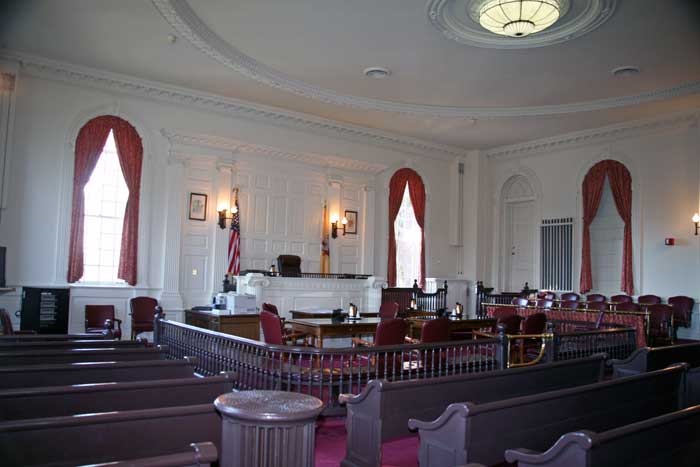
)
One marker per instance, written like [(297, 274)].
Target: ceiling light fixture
[(625, 71), (376, 72), (518, 18)]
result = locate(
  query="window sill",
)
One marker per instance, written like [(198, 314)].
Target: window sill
[(98, 285)]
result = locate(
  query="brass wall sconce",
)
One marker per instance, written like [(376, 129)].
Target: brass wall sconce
[(223, 217), (334, 225), (696, 219)]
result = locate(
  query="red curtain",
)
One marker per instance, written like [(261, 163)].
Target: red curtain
[(416, 191), (621, 187), (88, 147)]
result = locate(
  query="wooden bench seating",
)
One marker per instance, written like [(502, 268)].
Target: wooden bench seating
[(69, 344), (104, 437), (382, 410), (98, 372), (666, 440), (48, 356), (52, 337), (55, 401), (198, 454), (469, 432)]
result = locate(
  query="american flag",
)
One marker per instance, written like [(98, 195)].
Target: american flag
[(234, 240)]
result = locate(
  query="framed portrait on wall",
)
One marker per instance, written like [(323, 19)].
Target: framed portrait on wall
[(198, 207), (351, 227)]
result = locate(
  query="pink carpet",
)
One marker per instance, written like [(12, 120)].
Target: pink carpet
[(330, 446)]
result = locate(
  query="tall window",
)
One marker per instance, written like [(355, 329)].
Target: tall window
[(105, 202), (408, 243), (406, 229)]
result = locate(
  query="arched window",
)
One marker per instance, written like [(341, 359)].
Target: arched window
[(620, 182), (406, 229), (98, 202)]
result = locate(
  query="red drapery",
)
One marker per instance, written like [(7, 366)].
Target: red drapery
[(416, 190), (621, 187), (88, 147)]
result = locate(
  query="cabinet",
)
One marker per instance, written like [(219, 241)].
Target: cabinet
[(243, 325)]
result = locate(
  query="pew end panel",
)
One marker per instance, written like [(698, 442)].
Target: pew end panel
[(632, 365), (569, 451)]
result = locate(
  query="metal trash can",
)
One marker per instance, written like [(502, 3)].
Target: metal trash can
[(267, 428)]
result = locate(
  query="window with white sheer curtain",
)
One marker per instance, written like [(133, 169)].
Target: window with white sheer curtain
[(408, 244)]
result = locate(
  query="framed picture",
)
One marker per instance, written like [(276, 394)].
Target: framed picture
[(351, 227), (198, 207)]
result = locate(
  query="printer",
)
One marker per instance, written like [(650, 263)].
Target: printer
[(240, 303)]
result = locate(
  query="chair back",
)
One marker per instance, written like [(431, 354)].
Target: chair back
[(5, 323), (569, 305), (628, 306), (391, 332), (272, 328), (597, 306), (649, 299), (519, 301), (596, 297), (143, 309), (535, 323), (682, 309), (621, 299), (502, 313), (511, 323), (289, 265), (96, 315), (570, 297), (544, 303), (388, 310), (435, 330), (659, 319), (269, 307), (545, 295)]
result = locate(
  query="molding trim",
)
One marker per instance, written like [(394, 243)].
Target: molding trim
[(189, 26), (67, 72), (594, 135), (237, 146)]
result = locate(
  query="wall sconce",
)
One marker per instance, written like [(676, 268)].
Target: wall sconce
[(223, 218), (696, 219), (334, 225)]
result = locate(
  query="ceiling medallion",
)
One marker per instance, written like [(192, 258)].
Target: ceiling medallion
[(517, 24)]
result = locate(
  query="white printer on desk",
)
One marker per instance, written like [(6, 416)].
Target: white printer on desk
[(240, 303)]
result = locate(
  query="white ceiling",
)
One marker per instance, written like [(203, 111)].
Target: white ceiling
[(325, 45)]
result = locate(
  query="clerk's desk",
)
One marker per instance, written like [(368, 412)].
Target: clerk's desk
[(240, 324)]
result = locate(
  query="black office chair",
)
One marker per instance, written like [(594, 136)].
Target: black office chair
[(289, 265)]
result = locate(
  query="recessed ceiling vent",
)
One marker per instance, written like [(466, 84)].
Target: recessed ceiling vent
[(377, 72), (625, 71)]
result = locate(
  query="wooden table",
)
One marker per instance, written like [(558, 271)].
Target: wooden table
[(326, 327), (243, 325), (456, 325), (319, 314)]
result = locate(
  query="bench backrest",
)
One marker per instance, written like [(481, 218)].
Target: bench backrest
[(468, 432), (649, 359), (48, 356), (666, 440), (75, 344), (107, 436), (98, 372), (55, 401), (52, 337), (197, 455)]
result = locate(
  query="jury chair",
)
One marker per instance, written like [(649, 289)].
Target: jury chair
[(682, 310), (648, 299), (570, 297), (100, 319), (142, 313), (660, 324), (596, 297), (622, 298)]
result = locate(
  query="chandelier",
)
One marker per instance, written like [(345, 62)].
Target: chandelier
[(518, 18)]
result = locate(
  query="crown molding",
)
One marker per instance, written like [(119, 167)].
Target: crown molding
[(592, 136), (237, 146), (75, 74), (189, 26)]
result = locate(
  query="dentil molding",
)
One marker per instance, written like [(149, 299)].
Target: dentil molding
[(189, 26), (85, 76)]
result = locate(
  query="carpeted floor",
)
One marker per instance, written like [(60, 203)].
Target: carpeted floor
[(330, 446)]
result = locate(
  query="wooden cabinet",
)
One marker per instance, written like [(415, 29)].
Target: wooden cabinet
[(244, 325)]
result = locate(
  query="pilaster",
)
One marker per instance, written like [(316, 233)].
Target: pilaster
[(171, 299)]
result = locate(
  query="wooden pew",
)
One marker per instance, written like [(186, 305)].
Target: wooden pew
[(103, 437), (468, 432), (648, 359), (47, 356), (53, 337), (666, 440), (382, 410), (98, 372), (71, 344), (55, 401), (198, 455)]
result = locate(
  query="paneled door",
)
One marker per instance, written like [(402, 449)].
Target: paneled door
[(519, 251)]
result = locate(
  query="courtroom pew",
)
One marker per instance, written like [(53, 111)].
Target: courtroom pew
[(104, 437), (382, 410), (71, 344), (47, 356), (666, 440), (198, 454), (53, 337), (468, 432), (55, 401), (95, 372)]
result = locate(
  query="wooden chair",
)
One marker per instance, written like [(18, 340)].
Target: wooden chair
[(100, 319), (545, 295), (389, 310), (569, 305), (596, 297), (143, 310), (435, 330), (570, 296), (536, 323), (273, 331), (660, 324), (389, 332), (682, 310), (6, 328), (648, 299), (544, 303), (596, 306), (621, 299), (288, 333), (628, 306), (519, 301)]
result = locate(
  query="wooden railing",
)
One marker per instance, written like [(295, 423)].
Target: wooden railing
[(425, 301)]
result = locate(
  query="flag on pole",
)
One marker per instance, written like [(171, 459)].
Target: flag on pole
[(325, 242), (234, 239)]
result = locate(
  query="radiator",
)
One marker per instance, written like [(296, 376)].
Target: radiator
[(556, 250)]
